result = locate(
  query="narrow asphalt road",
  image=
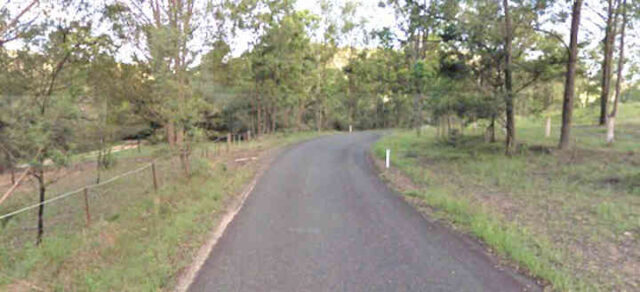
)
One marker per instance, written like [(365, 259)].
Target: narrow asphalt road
[(321, 220)]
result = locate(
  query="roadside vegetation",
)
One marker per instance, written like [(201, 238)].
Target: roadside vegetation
[(570, 217), (138, 240), (80, 80)]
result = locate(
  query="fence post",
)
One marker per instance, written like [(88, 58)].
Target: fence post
[(547, 128), (155, 177), (388, 158), (248, 135), (228, 141), (86, 206)]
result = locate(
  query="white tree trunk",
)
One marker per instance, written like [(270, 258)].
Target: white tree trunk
[(611, 124), (547, 130)]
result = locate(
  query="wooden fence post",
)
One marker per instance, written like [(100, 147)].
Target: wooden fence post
[(86, 206), (155, 177), (248, 135), (228, 141)]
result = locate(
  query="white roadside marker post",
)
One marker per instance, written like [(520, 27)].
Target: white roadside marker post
[(388, 158), (350, 128)]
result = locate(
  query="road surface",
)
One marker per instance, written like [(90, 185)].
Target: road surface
[(319, 219)]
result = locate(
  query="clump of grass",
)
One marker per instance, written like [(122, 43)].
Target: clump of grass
[(563, 206), (506, 239)]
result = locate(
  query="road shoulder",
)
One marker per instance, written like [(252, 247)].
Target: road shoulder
[(402, 185)]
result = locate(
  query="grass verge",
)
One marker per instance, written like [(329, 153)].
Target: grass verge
[(145, 239), (551, 214)]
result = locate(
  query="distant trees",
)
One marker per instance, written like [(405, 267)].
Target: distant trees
[(447, 63), (167, 28)]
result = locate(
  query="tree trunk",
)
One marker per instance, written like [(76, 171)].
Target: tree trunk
[(43, 189), (611, 128), (274, 117), (569, 86), (606, 63), (318, 117), (299, 115), (170, 131), (547, 129), (179, 136), (184, 160), (508, 83), (492, 129), (416, 113), (259, 114), (611, 123), (98, 162)]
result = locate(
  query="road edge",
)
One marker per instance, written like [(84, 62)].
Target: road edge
[(186, 279), (502, 263)]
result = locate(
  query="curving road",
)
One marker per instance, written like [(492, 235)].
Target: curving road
[(320, 220)]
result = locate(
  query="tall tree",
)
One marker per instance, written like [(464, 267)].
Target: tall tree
[(569, 86), (611, 121), (510, 138), (167, 29), (610, 34)]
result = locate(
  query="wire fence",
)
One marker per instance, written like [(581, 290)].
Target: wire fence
[(87, 203)]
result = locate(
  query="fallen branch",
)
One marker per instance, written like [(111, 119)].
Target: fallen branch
[(245, 159)]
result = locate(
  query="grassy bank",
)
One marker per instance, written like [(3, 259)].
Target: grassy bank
[(571, 218), (139, 240)]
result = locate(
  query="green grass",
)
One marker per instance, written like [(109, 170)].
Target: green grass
[(568, 217), (139, 240), (586, 133)]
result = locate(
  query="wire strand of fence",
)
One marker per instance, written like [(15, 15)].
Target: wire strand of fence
[(79, 190)]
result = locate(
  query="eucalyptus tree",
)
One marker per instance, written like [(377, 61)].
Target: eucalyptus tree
[(569, 89), (611, 118), (111, 110), (165, 32), (611, 19), (44, 84), (327, 28), (423, 23)]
